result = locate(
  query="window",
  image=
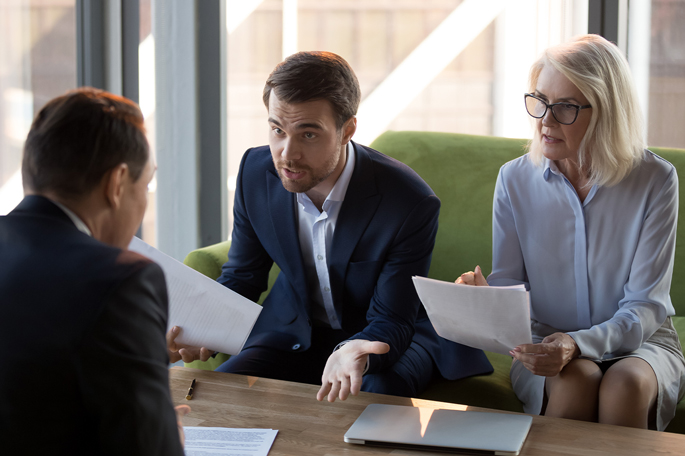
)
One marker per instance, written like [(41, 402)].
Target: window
[(37, 63), (666, 112), (431, 65)]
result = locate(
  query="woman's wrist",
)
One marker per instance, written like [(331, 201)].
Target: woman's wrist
[(573, 347)]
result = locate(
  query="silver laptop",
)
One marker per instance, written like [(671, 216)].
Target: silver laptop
[(450, 431)]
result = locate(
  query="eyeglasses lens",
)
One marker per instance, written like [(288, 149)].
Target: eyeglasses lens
[(535, 107), (564, 113)]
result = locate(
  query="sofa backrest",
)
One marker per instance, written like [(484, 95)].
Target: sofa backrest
[(462, 171)]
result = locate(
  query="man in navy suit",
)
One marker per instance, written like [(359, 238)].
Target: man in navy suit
[(348, 227), (83, 319)]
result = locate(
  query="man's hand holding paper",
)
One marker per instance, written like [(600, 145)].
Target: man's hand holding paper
[(186, 353)]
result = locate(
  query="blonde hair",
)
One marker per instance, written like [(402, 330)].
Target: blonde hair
[(613, 144)]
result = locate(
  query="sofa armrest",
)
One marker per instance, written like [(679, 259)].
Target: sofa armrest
[(209, 260)]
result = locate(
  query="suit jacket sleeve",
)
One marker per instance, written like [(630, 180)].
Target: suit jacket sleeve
[(125, 374), (395, 303), (247, 270)]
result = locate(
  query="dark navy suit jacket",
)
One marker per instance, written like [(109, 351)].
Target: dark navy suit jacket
[(85, 367), (384, 235)]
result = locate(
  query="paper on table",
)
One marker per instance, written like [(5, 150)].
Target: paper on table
[(496, 319), (209, 314), (204, 441)]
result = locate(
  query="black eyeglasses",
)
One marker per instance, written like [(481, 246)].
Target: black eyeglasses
[(564, 113)]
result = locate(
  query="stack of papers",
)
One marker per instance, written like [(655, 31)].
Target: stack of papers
[(205, 441), (209, 314), (495, 319)]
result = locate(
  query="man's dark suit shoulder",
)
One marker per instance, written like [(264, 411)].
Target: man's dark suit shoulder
[(87, 321)]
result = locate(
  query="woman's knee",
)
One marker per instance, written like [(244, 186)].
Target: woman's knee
[(628, 394), (573, 393), (630, 377), (579, 374)]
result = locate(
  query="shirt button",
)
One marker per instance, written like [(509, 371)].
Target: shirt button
[(326, 289), (296, 347), (319, 257)]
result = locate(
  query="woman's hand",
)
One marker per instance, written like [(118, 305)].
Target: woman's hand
[(473, 278), (549, 357)]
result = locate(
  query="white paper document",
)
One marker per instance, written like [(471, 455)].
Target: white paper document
[(495, 319), (209, 314), (206, 441)]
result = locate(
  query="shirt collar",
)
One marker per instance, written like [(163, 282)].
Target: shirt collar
[(82, 227), (340, 188), (548, 166)]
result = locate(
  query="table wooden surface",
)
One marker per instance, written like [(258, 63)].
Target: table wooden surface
[(307, 427)]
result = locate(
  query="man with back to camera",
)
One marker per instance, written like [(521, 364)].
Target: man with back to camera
[(348, 227), (87, 368)]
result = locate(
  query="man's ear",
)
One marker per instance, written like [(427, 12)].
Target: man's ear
[(115, 180), (349, 128)]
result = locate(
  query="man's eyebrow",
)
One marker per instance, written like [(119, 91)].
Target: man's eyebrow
[(304, 126)]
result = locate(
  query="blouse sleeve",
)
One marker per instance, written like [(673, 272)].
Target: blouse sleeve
[(646, 302), (508, 267)]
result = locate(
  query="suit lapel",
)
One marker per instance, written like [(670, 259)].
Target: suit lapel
[(281, 206), (359, 207)]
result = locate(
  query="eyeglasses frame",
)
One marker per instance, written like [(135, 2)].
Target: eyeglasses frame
[(549, 106)]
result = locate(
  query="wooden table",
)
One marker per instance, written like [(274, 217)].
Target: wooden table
[(307, 427)]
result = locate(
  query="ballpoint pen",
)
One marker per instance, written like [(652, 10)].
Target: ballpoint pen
[(189, 396)]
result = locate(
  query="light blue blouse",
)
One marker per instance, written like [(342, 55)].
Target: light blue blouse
[(599, 270)]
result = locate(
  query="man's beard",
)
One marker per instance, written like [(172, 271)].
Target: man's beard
[(308, 182)]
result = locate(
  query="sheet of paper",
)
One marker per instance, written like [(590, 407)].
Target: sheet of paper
[(495, 319), (206, 441), (209, 314)]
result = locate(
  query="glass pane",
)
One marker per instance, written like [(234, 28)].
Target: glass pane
[(667, 74), (473, 81), (37, 63), (146, 82)]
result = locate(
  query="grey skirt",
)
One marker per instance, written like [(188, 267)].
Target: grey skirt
[(662, 352)]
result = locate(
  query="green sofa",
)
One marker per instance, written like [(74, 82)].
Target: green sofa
[(462, 170)]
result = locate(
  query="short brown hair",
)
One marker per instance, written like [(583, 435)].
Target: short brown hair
[(78, 137), (307, 76)]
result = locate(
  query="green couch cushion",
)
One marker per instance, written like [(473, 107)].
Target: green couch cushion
[(461, 170)]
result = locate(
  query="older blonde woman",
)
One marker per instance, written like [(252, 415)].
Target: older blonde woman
[(587, 221)]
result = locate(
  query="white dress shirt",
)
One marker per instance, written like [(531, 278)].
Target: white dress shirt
[(316, 236), (82, 227)]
